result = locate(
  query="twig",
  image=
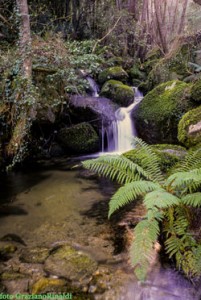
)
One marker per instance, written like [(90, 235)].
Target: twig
[(100, 40)]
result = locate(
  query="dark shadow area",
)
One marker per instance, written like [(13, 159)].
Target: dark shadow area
[(20, 181), (6, 210)]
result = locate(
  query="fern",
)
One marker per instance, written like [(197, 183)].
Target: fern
[(130, 192), (150, 161), (160, 199), (116, 167), (191, 161), (142, 250), (193, 200), (166, 201), (189, 180)]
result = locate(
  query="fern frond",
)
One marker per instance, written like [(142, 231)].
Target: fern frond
[(191, 161), (189, 180), (116, 167), (177, 221), (198, 260), (160, 199), (193, 199), (173, 245), (150, 162), (142, 249), (130, 192)]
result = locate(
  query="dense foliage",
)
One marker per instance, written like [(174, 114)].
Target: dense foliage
[(167, 201)]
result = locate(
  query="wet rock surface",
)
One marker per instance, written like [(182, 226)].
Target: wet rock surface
[(71, 264)]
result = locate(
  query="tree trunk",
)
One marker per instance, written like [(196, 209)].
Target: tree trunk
[(182, 21), (25, 38), (197, 1)]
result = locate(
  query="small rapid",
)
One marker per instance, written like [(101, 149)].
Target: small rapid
[(121, 130)]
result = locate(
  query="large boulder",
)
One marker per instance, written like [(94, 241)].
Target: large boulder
[(189, 128), (120, 93), (80, 138), (88, 109), (161, 109), (112, 73), (196, 91)]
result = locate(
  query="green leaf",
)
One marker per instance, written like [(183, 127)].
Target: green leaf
[(190, 180), (115, 167), (142, 250), (130, 192), (161, 199), (193, 199), (150, 161)]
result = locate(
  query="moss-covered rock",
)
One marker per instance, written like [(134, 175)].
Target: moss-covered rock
[(112, 73), (168, 155), (80, 138), (12, 276), (161, 109), (45, 285), (7, 248), (120, 93), (72, 264), (34, 255), (189, 128), (196, 91)]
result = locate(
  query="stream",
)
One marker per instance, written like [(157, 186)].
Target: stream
[(55, 237)]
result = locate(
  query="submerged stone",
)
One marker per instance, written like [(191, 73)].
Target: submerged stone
[(12, 276), (71, 264), (34, 255), (7, 248), (45, 285)]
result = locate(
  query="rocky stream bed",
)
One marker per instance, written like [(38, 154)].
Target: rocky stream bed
[(55, 238)]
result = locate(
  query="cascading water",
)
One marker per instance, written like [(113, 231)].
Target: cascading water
[(122, 129), (94, 88)]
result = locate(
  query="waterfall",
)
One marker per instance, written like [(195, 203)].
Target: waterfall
[(94, 88), (122, 129)]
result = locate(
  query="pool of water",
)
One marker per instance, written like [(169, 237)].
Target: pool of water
[(51, 205)]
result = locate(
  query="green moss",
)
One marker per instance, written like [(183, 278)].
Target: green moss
[(12, 276), (6, 248), (48, 284), (34, 255), (112, 73), (118, 92), (186, 134), (174, 67), (70, 263), (196, 91), (160, 111), (118, 61), (80, 138), (135, 73)]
